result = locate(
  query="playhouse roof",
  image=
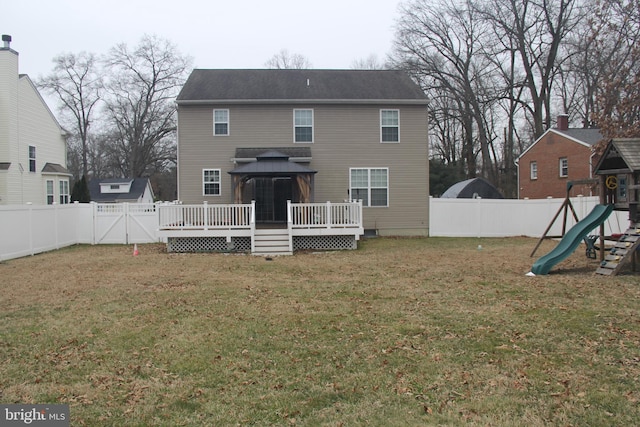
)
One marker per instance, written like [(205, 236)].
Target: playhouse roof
[(621, 155), (471, 189)]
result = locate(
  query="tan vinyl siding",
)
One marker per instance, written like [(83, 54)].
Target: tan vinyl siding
[(345, 136)]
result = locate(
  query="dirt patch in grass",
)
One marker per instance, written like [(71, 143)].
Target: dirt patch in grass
[(399, 332)]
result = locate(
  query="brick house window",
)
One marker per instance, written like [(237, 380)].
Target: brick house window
[(533, 166), (564, 167)]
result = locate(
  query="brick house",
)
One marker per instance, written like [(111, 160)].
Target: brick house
[(560, 155)]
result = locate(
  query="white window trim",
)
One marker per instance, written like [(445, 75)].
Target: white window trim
[(381, 126), (34, 158), (562, 175), (53, 191), (227, 122), (210, 182), (65, 196), (369, 187), (313, 122), (533, 170)]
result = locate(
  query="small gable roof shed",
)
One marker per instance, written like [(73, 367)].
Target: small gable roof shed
[(116, 190), (472, 189)]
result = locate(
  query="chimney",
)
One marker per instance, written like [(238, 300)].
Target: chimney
[(563, 122), (7, 41)]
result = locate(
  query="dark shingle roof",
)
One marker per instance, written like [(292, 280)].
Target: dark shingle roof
[(4, 166), (272, 163), (588, 136), (137, 189), (55, 168), (300, 85)]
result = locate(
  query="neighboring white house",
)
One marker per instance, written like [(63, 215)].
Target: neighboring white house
[(33, 153), (129, 190)]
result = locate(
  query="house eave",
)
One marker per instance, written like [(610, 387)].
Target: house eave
[(57, 174), (304, 101), (254, 159)]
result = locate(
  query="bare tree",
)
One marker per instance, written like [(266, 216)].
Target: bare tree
[(371, 62), (77, 83), (442, 45), (140, 109), (286, 60), (535, 30), (616, 34)]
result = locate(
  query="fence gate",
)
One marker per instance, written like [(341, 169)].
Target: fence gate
[(125, 223)]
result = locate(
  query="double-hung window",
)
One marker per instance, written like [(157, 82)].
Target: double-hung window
[(32, 158), (50, 195), (64, 192), (390, 125), (303, 125), (221, 122), (371, 185), (534, 170), (564, 167), (211, 182)]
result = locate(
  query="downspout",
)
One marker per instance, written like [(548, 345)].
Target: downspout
[(515, 162)]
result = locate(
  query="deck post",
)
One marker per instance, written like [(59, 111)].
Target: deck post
[(206, 215), (329, 219)]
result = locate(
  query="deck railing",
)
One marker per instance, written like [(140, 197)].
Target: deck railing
[(325, 215), (205, 216)]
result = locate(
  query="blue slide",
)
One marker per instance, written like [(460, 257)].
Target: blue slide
[(572, 239)]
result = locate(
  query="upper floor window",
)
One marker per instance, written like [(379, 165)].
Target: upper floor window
[(221, 122), (303, 125), (64, 192), (50, 194), (32, 158), (390, 125), (371, 185), (534, 170), (564, 167), (211, 182)]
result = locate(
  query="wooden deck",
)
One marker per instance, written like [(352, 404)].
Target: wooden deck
[(308, 226)]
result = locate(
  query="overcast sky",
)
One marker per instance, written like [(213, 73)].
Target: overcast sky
[(215, 33)]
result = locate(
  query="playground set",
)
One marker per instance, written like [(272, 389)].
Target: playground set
[(618, 177)]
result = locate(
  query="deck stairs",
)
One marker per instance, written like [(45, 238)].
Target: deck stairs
[(272, 242), (621, 253)]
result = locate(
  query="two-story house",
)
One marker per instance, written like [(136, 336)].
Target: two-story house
[(33, 154), (560, 155), (307, 136)]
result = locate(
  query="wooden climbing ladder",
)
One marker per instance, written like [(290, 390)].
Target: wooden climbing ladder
[(623, 252)]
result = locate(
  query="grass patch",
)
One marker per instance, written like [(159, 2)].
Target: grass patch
[(400, 332)]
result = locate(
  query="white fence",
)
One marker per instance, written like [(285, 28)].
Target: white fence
[(511, 217), (29, 229)]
